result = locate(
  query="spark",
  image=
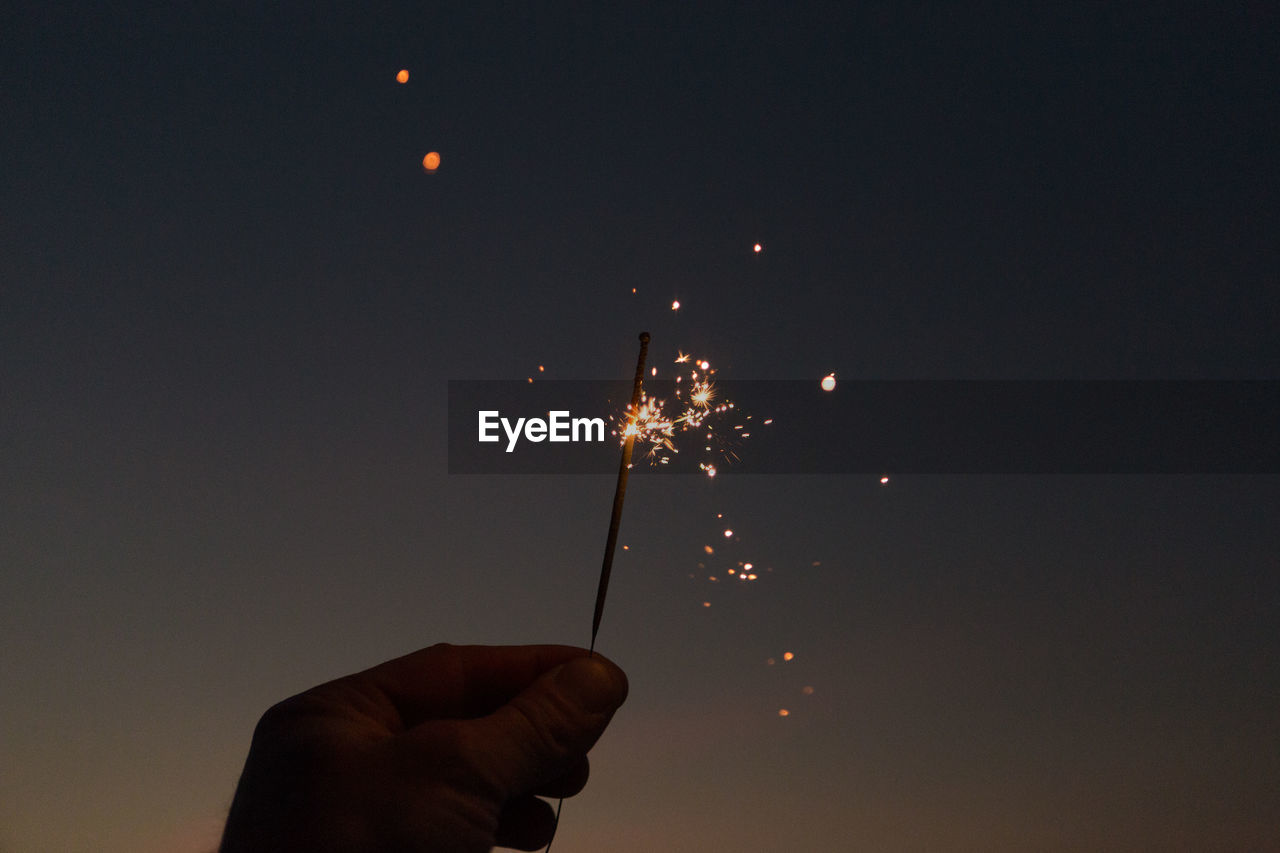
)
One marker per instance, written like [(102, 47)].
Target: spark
[(708, 549), (675, 305), (702, 395), (696, 406), (728, 534), (783, 712), (788, 656), (757, 248), (884, 480), (829, 382)]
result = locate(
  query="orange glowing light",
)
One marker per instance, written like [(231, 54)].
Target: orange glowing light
[(403, 76), (706, 604), (783, 712), (884, 480), (431, 162), (757, 248), (829, 382), (708, 549), (728, 534), (675, 305), (787, 656), (541, 369), (808, 691)]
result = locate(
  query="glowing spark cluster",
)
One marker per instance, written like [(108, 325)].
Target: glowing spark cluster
[(697, 412)]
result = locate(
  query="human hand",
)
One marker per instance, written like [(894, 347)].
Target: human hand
[(444, 749)]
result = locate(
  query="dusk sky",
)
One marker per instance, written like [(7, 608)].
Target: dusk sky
[(232, 299)]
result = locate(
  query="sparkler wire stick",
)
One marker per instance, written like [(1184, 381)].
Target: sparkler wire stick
[(615, 519), (620, 491)]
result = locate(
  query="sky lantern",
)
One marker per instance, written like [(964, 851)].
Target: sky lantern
[(403, 76), (431, 162)]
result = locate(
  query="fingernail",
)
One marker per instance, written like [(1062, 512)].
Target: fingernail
[(590, 684)]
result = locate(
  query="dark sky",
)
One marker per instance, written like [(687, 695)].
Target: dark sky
[(231, 299)]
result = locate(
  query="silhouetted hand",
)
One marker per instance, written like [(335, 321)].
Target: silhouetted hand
[(445, 749)]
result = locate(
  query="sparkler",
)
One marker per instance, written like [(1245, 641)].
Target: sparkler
[(620, 491), (615, 518)]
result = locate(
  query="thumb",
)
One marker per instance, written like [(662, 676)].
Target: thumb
[(549, 726)]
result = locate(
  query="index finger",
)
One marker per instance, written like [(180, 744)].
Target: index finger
[(461, 682)]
